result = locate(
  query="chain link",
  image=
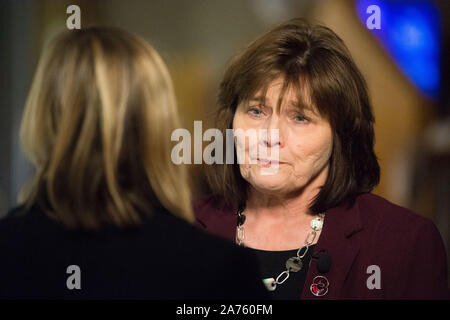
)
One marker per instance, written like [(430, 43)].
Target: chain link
[(304, 253), (286, 272), (240, 235), (310, 242)]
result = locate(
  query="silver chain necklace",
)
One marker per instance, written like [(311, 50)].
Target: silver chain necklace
[(293, 264)]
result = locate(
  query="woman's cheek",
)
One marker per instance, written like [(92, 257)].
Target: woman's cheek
[(245, 171)]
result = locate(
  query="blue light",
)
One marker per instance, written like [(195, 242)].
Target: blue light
[(410, 32)]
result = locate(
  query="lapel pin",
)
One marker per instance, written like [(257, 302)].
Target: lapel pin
[(319, 287)]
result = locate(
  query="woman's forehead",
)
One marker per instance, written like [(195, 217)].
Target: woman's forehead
[(279, 94)]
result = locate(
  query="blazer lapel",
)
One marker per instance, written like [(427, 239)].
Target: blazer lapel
[(340, 239)]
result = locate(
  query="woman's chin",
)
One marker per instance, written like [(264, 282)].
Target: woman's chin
[(269, 184)]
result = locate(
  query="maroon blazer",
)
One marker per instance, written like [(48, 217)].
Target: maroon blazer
[(406, 247)]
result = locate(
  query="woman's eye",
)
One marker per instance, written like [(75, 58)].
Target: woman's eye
[(301, 118), (255, 111)]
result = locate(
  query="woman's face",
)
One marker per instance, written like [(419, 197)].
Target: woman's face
[(304, 143)]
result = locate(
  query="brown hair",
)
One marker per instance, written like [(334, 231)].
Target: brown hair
[(312, 59), (97, 128)]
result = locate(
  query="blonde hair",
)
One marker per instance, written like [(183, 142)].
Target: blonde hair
[(97, 127)]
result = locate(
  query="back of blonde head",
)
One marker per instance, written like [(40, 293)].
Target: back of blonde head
[(97, 127)]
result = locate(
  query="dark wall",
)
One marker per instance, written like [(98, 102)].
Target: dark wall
[(5, 101), (17, 62)]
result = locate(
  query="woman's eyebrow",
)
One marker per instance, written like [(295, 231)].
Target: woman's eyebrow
[(257, 99), (301, 106)]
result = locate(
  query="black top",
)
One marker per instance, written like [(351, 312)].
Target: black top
[(272, 263), (165, 258)]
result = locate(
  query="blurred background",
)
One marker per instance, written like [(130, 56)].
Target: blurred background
[(405, 62)]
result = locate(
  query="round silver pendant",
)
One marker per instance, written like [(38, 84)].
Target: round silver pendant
[(294, 264), (317, 223)]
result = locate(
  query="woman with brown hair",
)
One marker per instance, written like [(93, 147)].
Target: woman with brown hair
[(318, 231), (107, 214)]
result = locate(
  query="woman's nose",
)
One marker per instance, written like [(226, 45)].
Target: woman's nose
[(272, 135)]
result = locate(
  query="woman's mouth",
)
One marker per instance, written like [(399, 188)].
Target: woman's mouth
[(268, 162)]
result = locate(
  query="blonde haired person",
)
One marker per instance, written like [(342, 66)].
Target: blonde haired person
[(106, 213)]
